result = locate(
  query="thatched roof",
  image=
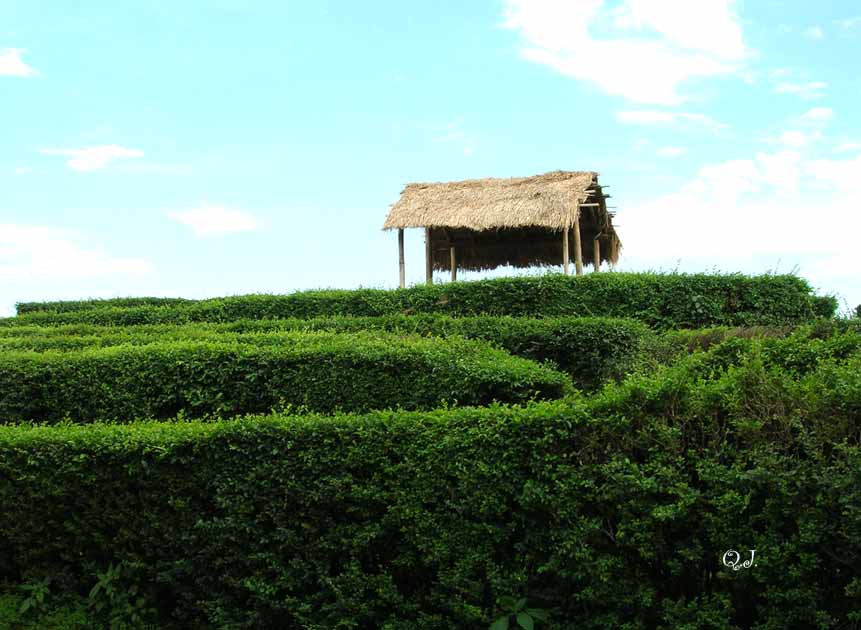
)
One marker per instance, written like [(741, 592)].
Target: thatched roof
[(517, 221), (550, 201)]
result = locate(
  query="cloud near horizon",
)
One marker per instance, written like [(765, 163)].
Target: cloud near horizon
[(32, 253), (94, 158), (759, 206), (213, 220)]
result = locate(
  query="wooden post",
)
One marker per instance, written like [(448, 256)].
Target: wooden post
[(596, 254), (401, 257), (453, 264), (565, 255), (578, 248), (428, 257)]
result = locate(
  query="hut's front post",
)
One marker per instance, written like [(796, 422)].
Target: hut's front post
[(403, 276), (596, 254), (453, 264), (428, 257), (578, 249), (565, 256)]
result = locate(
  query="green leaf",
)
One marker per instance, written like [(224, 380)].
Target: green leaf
[(521, 604), (525, 621), (507, 603), (538, 613), (500, 624)]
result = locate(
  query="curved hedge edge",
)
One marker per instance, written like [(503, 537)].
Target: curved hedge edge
[(317, 371), (591, 350)]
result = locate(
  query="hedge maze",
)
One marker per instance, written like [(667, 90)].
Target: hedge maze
[(408, 458)]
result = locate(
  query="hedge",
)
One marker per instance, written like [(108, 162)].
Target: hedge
[(660, 300), (591, 350), (318, 371), (613, 512), (68, 306)]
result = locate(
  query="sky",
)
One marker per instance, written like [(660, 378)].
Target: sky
[(221, 147)]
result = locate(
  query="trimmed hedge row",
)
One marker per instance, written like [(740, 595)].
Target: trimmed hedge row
[(591, 350), (317, 371), (67, 306), (660, 300), (612, 512)]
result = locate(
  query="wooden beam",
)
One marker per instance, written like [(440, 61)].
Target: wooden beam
[(596, 254), (565, 256), (428, 257), (453, 265), (578, 248), (403, 276)]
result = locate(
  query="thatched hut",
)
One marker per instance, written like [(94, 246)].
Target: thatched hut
[(482, 224)]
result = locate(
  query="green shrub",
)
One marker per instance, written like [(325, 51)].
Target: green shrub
[(591, 350), (54, 615), (68, 306), (611, 512), (660, 300), (319, 371)]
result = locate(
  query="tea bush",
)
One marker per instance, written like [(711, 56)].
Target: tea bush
[(591, 350), (660, 300), (317, 371), (613, 511)]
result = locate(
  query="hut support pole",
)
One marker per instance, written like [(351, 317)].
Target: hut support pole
[(403, 277), (565, 256), (578, 249), (453, 264), (428, 257), (596, 254)]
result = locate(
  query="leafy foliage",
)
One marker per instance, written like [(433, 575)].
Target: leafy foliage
[(53, 614), (591, 350), (518, 612), (660, 300), (318, 371), (614, 510), (68, 306)]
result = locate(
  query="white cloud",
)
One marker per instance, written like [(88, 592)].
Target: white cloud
[(814, 32), (11, 64), (35, 253), (812, 89), (22, 170), (670, 152), (94, 158), (647, 48), (765, 207), (209, 220), (849, 22), (848, 146), (844, 176), (653, 117), (818, 114), (798, 139)]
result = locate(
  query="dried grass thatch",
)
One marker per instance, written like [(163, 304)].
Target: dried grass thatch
[(518, 221)]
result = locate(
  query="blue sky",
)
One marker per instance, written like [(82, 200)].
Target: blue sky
[(204, 148)]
